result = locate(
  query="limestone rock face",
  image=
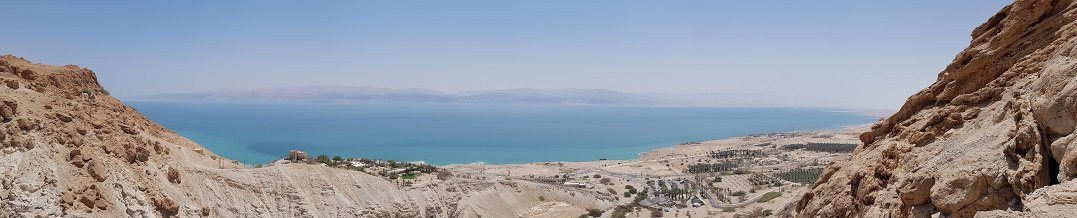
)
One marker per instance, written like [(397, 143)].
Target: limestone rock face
[(994, 136), (67, 149)]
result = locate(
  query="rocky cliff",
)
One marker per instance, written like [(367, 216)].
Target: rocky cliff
[(994, 136), (71, 150)]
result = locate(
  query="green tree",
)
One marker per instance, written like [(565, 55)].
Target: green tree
[(322, 159)]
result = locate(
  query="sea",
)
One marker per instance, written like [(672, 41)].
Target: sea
[(444, 133)]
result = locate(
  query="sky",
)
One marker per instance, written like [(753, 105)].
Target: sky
[(867, 54)]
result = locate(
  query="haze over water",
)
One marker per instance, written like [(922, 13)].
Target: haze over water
[(465, 133)]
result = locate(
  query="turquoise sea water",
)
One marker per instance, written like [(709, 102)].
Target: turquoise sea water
[(466, 133)]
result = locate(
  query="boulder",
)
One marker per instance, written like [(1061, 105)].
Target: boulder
[(8, 108)]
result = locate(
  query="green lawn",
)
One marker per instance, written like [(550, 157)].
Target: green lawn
[(769, 196)]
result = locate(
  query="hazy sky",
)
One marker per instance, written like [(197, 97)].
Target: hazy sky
[(851, 53)]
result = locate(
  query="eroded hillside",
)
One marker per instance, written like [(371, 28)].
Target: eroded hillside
[(992, 137), (71, 150)]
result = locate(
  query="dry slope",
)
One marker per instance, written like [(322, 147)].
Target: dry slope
[(68, 149), (994, 133)]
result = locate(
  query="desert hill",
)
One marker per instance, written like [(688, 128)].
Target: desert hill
[(71, 150), (994, 136)]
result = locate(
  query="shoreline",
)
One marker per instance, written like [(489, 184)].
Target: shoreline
[(859, 128), (675, 149), (780, 153)]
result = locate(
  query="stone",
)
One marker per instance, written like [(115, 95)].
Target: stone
[(28, 74), (173, 175), (8, 108)]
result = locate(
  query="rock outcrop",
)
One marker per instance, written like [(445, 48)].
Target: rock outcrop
[(994, 136), (71, 150)]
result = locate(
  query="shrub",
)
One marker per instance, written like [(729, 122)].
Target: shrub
[(728, 210), (594, 212), (611, 190), (656, 213), (620, 211), (605, 181), (86, 91), (737, 193), (597, 176), (444, 174)]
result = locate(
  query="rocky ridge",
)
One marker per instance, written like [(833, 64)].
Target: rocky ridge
[(994, 136)]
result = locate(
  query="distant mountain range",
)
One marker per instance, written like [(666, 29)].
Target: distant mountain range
[(308, 94), (352, 94)]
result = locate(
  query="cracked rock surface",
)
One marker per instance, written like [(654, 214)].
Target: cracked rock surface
[(993, 137)]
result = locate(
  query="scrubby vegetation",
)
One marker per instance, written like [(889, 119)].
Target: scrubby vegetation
[(622, 210), (757, 213), (593, 213)]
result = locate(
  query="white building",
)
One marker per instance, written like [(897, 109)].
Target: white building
[(577, 184)]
